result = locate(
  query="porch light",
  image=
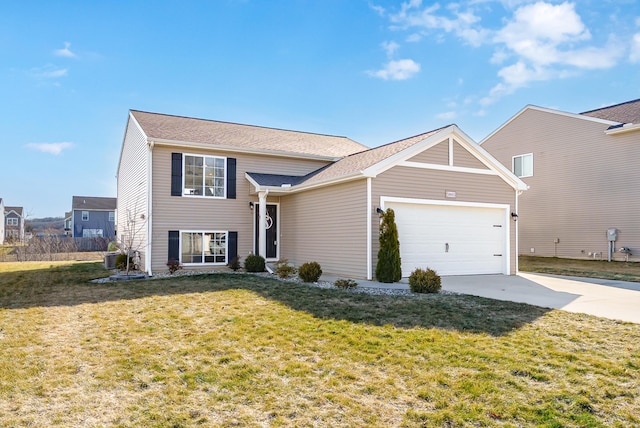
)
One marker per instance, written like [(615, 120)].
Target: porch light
[(250, 205), (379, 210), (514, 216)]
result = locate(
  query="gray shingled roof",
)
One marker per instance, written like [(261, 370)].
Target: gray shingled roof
[(627, 112), (93, 203), (346, 166), (248, 137), (16, 209)]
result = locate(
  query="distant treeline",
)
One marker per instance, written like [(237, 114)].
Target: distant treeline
[(41, 224)]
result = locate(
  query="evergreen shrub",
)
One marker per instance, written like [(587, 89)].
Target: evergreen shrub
[(424, 281), (310, 272)]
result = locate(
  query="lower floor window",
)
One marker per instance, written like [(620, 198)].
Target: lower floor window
[(204, 247), (92, 233)]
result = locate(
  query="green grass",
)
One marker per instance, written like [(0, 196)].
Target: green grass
[(618, 270), (224, 350)]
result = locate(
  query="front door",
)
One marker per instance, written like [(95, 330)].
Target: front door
[(272, 231)]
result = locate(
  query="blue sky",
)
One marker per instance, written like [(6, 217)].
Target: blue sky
[(375, 71)]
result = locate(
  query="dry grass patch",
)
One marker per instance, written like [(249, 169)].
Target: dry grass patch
[(619, 270), (219, 350)]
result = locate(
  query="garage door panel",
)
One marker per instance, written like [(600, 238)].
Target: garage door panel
[(453, 240)]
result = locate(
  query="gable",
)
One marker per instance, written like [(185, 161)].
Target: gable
[(438, 155)]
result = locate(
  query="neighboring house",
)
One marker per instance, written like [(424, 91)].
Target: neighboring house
[(13, 224), (93, 217), (1, 222), (583, 174), (203, 191)]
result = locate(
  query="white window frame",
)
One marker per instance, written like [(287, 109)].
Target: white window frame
[(522, 156), (189, 192), (83, 215), (92, 233), (12, 221), (112, 216), (203, 263)]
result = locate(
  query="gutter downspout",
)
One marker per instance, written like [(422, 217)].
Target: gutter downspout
[(369, 242), (147, 253), (518, 192)]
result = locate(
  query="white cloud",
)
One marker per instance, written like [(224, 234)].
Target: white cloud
[(48, 72), (462, 23), (414, 38), (53, 148), (448, 115), (390, 48), (634, 56), (65, 52), (377, 9), (397, 70)]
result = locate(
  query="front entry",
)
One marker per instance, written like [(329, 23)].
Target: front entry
[(272, 231)]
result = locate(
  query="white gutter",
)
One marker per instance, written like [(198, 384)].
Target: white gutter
[(627, 127)]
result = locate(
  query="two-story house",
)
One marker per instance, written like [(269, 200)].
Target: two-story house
[(93, 217), (14, 224), (202, 192), (583, 174)]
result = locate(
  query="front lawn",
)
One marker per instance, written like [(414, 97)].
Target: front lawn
[(224, 349)]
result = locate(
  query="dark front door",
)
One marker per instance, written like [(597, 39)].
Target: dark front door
[(272, 231)]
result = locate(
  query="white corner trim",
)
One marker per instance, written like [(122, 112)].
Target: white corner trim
[(369, 238), (450, 151), (411, 164)]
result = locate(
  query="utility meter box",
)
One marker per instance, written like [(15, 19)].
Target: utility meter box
[(612, 234)]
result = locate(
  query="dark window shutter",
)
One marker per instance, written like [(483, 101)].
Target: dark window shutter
[(174, 245), (233, 246), (231, 178), (176, 174)]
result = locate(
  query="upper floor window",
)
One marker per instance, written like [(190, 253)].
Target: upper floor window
[(85, 215), (112, 216), (204, 176), (523, 165), (12, 221)]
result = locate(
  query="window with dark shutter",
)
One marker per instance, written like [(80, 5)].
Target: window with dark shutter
[(231, 178), (174, 245), (233, 246), (176, 174)]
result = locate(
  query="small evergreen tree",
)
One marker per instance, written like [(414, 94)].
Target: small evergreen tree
[(388, 267)]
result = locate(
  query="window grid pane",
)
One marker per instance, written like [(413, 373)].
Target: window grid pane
[(204, 175), (204, 247)]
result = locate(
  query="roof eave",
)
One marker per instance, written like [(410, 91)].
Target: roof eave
[(235, 149), (279, 190)]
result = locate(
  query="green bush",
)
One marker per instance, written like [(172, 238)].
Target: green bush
[(113, 246), (254, 263), (388, 268), (173, 265), (121, 262), (234, 264), (310, 272), (345, 283), (284, 269), (424, 281)]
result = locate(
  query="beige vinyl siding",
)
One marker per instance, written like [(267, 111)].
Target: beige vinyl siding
[(462, 158), (583, 182), (438, 154), (417, 183), (327, 225), (133, 190), (203, 214)]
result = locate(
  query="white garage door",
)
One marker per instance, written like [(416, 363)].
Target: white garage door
[(453, 240)]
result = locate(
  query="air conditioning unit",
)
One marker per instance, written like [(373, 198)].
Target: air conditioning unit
[(110, 260)]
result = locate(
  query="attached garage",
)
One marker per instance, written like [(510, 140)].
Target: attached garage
[(452, 238)]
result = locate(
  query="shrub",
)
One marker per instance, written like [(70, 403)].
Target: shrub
[(254, 263), (234, 264), (388, 267), (284, 269), (173, 265), (345, 283), (424, 281), (310, 272), (113, 246), (121, 261)]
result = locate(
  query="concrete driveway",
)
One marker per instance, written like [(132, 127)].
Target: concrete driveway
[(618, 300)]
